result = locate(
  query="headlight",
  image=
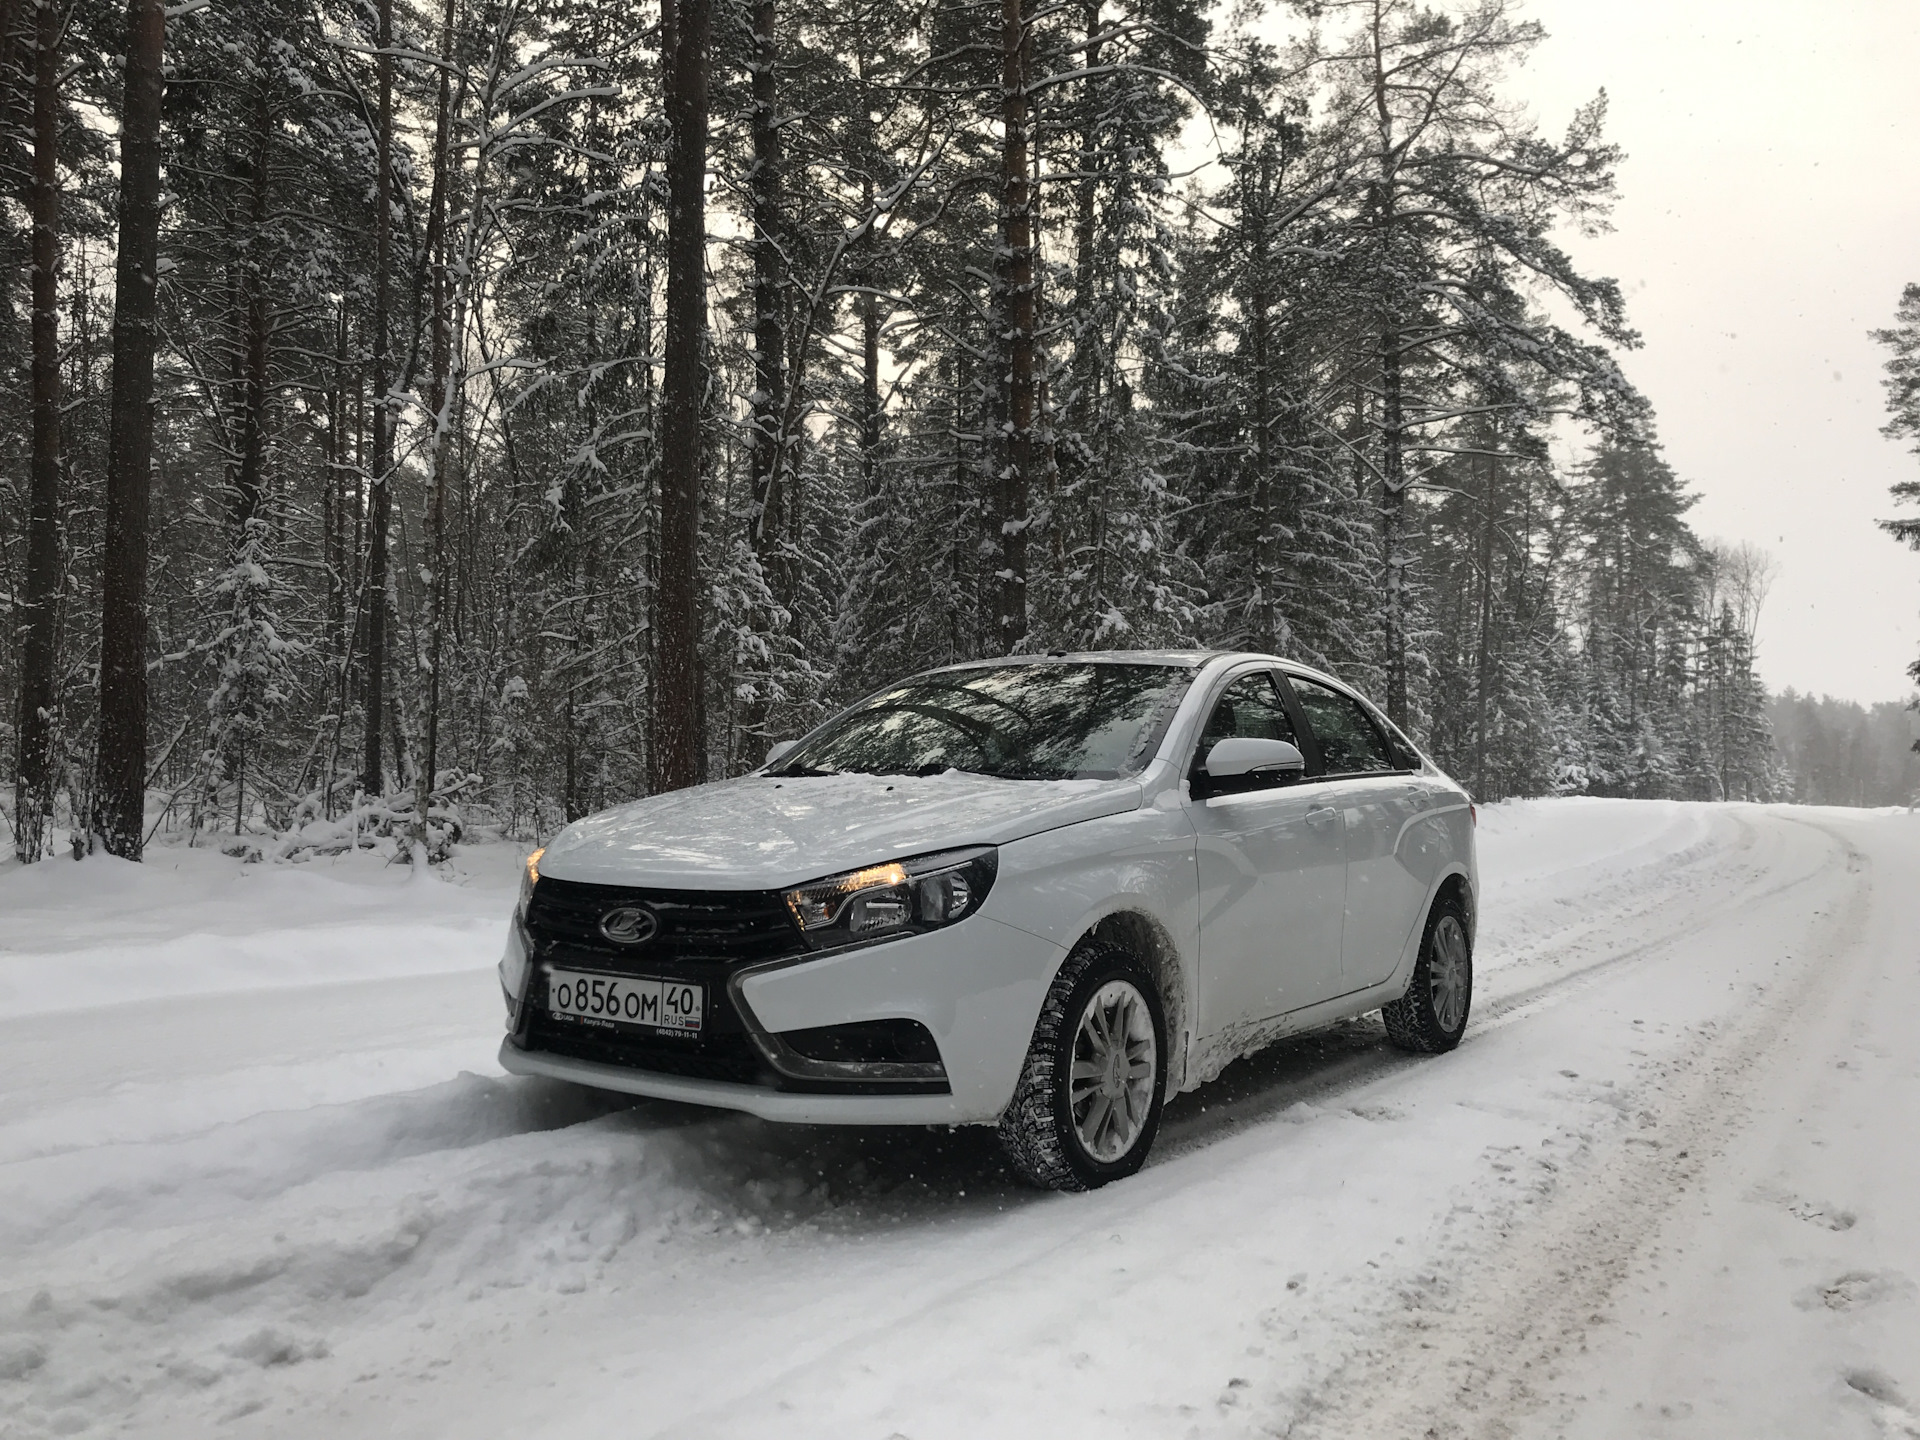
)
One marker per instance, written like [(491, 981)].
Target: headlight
[(513, 965), (529, 878), (905, 897)]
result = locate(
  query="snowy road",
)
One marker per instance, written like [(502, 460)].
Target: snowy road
[(260, 1177)]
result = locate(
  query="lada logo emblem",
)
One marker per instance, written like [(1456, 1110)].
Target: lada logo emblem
[(630, 925)]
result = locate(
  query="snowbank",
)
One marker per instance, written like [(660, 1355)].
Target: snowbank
[(104, 931)]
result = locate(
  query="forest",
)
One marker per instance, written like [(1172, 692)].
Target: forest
[(436, 417), (1837, 752)]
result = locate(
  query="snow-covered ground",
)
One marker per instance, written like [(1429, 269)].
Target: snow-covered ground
[(259, 1176)]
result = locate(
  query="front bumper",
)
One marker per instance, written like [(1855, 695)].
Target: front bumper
[(758, 1100), (977, 987)]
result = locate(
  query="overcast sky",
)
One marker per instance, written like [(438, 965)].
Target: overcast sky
[(1769, 215)]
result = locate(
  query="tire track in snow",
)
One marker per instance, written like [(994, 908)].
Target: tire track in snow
[(1474, 1357)]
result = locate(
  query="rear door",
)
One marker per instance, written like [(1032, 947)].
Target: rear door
[(1379, 798), (1272, 872)]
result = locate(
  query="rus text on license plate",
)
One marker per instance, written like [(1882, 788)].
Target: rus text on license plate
[(623, 1000)]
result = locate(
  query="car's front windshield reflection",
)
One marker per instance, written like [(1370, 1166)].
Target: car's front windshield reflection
[(1040, 721)]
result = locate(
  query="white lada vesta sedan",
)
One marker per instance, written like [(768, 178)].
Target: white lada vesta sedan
[(1036, 893)]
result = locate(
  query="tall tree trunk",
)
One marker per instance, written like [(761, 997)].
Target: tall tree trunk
[(359, 576), (869, 305), (1393, 483), (120, 766), (1015, 277), (334, 493), (33, 784), (676, 747), (253, 388), (1393, 519), (1086, 187), (380, 508), (1483, 677), (766, 452), (1076, 462), (769, 289), (339, 463), (1258, 180), (440, 402)]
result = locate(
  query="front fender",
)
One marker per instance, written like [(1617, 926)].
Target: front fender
[(1130, 877), (978, 986)]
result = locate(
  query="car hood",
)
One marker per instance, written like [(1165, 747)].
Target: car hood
[(760, 833)]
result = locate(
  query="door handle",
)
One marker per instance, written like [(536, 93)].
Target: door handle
[(1322, 815)]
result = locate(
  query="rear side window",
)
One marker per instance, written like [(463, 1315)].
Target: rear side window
[(1349, 743), (1397, 741), (1249, 709)]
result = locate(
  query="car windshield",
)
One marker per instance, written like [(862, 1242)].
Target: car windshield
[(1069, 721)]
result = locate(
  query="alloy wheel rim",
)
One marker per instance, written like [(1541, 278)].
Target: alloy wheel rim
[(1110, 1091), (1450, 973)]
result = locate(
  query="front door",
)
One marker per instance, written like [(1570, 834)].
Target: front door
[(1272, 872), (1379, 802)]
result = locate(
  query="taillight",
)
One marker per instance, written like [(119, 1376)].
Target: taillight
[(1474, 811)]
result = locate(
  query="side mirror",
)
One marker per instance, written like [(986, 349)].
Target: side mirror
[(1242, 755), (779, 748)]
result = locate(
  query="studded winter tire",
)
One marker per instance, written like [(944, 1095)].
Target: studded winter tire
[(1432, 1016), (1090, 1093)]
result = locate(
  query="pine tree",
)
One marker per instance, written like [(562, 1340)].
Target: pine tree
[(1455, 201), (676, 751), (39, 704), (254, 674), (1903, 407), (376, 604), (120, 771)]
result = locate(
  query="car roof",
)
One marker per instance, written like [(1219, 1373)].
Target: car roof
[(1183, 659)]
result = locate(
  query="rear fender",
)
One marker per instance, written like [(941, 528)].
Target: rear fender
[(1455, 873)]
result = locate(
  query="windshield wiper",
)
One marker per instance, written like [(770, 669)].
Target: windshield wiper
[(1018, 773), (788, 772)]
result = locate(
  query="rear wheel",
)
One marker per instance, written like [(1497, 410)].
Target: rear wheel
[(1432, 1016), (1088, 1104)]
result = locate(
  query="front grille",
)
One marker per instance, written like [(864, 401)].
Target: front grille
[(726, 927), (703, 936)]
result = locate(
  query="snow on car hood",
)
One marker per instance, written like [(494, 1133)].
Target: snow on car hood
[(758, 832)]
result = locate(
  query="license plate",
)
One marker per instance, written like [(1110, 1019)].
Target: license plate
[(623, 1000)]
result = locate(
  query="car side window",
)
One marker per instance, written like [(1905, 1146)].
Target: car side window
[(1349, 742), (1249, 708), (1407, 756)]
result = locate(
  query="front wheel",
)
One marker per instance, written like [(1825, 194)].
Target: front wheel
[(1431, 1017), (1090, 1093)]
